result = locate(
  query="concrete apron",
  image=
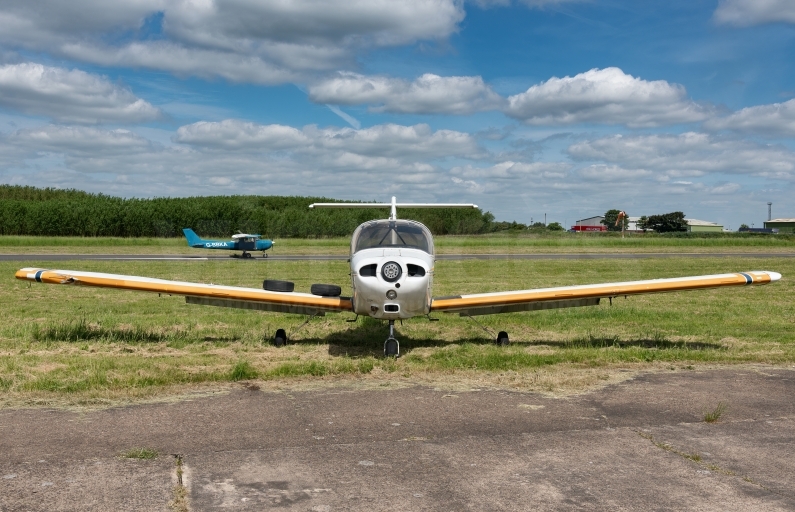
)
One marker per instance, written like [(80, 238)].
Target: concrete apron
[(638, 445)]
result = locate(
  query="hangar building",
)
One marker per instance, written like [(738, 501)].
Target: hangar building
[(590, 224), (783, 225), (703, 226)]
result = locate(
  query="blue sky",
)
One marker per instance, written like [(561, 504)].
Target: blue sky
[(525, 107)]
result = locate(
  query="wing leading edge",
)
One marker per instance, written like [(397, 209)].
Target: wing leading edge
[(195, 293), (588, 295)]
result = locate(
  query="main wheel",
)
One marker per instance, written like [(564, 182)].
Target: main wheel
[(280, 339), (326, 290), (502, 338), (246, 254), (273, 285)]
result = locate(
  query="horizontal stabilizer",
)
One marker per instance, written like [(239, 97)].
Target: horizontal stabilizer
[(393, 206)]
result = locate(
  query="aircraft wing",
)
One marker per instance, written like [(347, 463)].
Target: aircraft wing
[(587, 295), (196, 293)]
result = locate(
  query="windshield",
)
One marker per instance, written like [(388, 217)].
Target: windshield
[(394, 233)]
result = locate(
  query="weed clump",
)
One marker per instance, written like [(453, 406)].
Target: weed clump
[(243, 371), (715, 414), (139, 453)]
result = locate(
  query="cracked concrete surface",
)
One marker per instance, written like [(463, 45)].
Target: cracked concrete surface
[(421, 449)]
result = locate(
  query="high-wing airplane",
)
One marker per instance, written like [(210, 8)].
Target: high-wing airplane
[(240, 242), (392, 267)]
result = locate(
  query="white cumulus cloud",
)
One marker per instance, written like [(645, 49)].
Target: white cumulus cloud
[(776, 118), (236, 134), (688, 154), (754, 12), (613, 173), (241, 40), (428, 94), (80, 140), (510, 170), (605, 96), (70, 95), (391, 141), (395, 140)]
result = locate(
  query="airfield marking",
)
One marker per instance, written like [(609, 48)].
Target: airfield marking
[(449, 257)]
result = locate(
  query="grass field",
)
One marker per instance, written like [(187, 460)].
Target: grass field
[(500, 243), (61, 344)]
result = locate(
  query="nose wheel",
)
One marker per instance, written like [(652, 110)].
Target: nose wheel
[(391, 345)]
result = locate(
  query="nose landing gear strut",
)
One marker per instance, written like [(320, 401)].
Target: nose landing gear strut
[(391, 345)]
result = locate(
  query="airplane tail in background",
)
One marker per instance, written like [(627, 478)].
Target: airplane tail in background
[(393, 205), (193, 238)]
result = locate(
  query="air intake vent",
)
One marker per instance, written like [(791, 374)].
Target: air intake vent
[(415, 270), (367, 270), (391, 308)]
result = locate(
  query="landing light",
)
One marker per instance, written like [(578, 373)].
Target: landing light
[(391, 295)]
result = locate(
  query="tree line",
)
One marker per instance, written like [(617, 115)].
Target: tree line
[(56, 212), (673, 222)]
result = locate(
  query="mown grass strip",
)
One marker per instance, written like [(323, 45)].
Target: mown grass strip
[(96, 343)]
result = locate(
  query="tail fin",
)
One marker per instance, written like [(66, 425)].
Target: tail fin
[(193, 238)]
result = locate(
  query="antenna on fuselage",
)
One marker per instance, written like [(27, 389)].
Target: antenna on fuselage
[(393, 206)]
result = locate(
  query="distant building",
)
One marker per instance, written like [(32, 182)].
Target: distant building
[(783, 225), (703, 226), (590, 224)]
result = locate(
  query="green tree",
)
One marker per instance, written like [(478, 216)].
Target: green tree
[(610, 220), (643, 223), (667, 222), (555, 226)]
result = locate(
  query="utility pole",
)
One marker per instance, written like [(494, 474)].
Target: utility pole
[(545, 220)]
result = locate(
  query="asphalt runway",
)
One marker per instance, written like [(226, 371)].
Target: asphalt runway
[(638, 445), (442, 257)]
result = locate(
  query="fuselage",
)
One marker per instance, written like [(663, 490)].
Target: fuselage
[(392, 264), (235, 245), (241, 242)]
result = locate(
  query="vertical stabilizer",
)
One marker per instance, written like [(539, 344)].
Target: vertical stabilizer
[(193, 238)]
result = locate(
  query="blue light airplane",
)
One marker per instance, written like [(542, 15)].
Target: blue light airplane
[(240, 242)]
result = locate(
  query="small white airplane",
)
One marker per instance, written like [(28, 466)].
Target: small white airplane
[(392, 266)]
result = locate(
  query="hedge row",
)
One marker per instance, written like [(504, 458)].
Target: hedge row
[(53, 212)]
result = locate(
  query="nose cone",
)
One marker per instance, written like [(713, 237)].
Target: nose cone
[(774, 276)]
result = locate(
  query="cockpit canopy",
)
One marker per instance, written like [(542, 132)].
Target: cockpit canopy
[(384, 234)]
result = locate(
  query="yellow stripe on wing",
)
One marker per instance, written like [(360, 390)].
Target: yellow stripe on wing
[(570, 294), (146, 284)]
